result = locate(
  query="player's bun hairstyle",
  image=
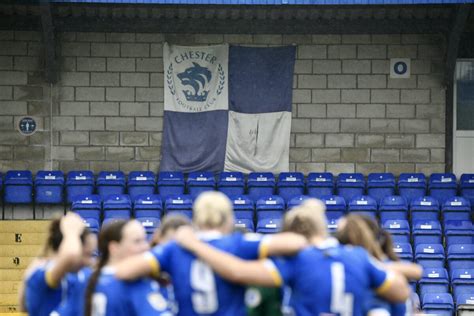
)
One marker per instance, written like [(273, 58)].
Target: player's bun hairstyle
[(307, 219), (108, 233), (212, 209), (170, 222), (55, 236), (356, 231)]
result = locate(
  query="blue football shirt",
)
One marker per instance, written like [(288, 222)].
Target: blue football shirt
[(114, 297), (74, 290), (198, 291), (334, 280), (41, 295)]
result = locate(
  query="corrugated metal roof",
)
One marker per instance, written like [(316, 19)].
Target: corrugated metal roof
[(271, 2)]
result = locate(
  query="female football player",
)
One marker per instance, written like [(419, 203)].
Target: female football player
[(68, 248), (364, 231), (322, 279), (197, 290), (106, 295)]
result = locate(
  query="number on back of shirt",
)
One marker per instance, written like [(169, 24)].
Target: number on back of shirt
[(341, 302), (204, 295)]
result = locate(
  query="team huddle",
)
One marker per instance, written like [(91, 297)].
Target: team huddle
[(204, 267)]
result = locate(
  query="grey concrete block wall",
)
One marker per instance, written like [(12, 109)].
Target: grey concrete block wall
[(107, 108)]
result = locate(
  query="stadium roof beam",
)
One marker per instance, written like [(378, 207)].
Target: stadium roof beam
[(241, 26), (235, 19)]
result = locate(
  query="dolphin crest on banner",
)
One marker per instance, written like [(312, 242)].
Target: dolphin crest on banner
[(196, 78)]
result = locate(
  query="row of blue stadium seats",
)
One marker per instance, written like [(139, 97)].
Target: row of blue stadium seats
[(430, 232), (430, 256), (48, 185), (444, 305), (425, 227), (391, 207), (438, 280)]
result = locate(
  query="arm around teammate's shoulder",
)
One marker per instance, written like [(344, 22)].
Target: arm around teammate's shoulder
[(282, 244), (395, 289), (410, 270), (229, 267)]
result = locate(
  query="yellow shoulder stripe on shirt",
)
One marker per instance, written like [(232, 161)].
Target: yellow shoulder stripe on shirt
[(274, 272), (154, 264), (263, 249), (48, 277), (385, 285)]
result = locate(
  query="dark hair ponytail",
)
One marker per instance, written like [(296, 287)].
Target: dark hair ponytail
[(109, 233)]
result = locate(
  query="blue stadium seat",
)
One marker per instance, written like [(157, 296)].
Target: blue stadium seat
[(430, 255), (18, 187), (271, 206), (435, 280), (380, 185), (244, 212), (320, 184), (148, 205), (458, 232), (260, 184), (335, 206), (92, 224), (426, 232), (332, 225), (456, 208), (290, 184), (462, 282), (404, 251), (199, 182), (170, 183), (110, 182), (399, 229), (118, 206), (412, 186), (79, 182), (393, 207), (364, 205), (269, 225), (244, 224), (295, 201), (231, 183), (466, 187), (179, 204), (350, 185), (438, 304), (425, 208), (49, 187), (140, 182), (464, 302), (460, 257), (87, 206), (442, 186), (150, 224)]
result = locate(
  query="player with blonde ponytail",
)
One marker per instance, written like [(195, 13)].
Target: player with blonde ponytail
[(197, 289)]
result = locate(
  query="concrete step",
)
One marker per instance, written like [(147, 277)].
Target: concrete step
[(19, 263), (24, 226), (23, 238)]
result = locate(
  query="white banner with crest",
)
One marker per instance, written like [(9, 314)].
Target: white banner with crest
[(196, 78)]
